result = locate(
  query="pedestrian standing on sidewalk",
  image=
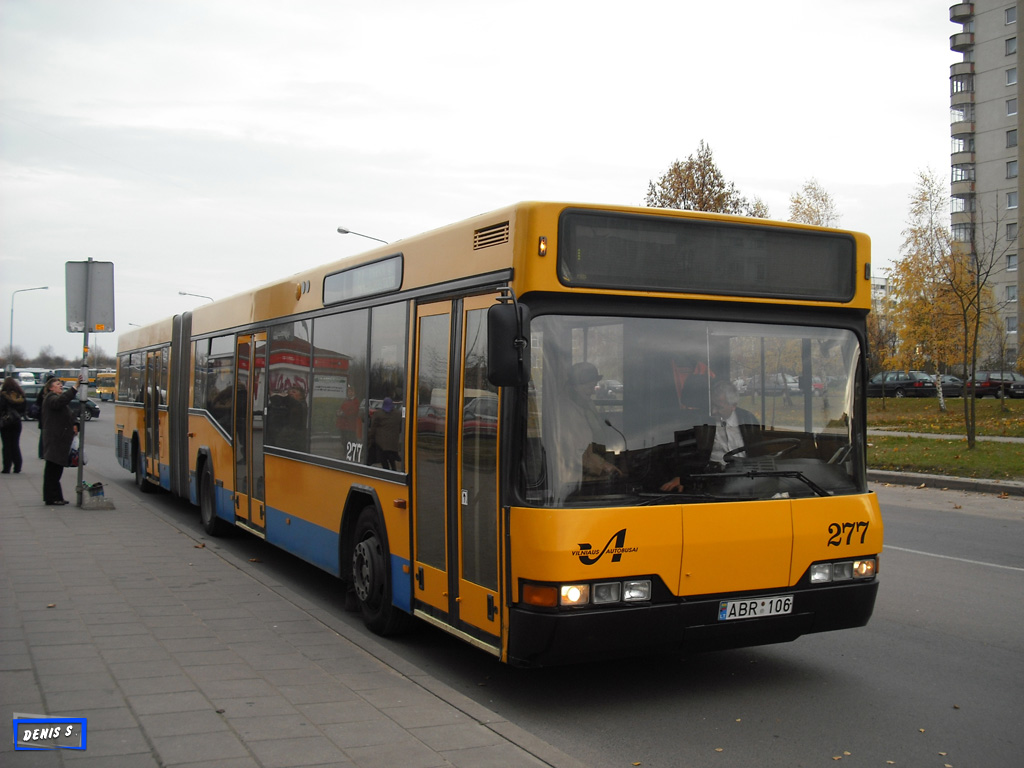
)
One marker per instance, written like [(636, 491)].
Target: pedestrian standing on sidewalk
[(59, 429), (12, 410), (39, 416)]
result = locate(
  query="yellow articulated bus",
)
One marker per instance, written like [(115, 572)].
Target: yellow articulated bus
[(560, 432)]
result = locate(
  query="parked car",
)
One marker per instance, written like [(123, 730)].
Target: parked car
[(777, 384), (952, 386), (31, 392), (480, 417), (902, 384), (608, 388), (430, 419), (989, 383), (91, 411)]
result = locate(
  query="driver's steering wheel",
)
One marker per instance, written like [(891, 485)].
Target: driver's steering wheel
[(789, 442)]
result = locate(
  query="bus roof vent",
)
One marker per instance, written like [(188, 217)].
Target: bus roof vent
[(488, 236)]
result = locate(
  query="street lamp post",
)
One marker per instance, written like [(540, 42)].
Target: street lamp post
[(10, 349), (343, 231), (197, 295)]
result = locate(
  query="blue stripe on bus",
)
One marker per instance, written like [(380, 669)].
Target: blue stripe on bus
[(224, 504), (319, 546), (401, 583), (313, 543)]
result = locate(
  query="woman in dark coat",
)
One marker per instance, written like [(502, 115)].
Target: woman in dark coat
[(12, 411), (59, 429)]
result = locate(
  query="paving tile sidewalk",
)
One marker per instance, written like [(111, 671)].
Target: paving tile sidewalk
[(178, 656)]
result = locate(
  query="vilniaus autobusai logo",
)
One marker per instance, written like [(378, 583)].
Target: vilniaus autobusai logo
[(616, 547)]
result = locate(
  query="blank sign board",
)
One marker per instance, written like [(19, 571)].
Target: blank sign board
[(89, 286)]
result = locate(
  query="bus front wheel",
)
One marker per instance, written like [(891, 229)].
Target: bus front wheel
[(371, 577)]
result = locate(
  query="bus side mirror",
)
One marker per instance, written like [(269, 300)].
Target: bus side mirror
[(508, 349)]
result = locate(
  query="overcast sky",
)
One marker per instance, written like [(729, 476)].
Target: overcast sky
[(212, 146)]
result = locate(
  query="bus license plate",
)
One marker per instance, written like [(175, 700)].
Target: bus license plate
[(775, 605)]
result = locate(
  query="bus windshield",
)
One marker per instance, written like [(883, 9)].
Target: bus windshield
[(626, 410)]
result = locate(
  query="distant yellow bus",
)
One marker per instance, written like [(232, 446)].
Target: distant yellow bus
[(105, 384), (68, 374), (504, 428)]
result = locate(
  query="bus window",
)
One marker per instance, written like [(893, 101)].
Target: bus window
[(219, 381), (288, 386), (339, 385), (387, 386)]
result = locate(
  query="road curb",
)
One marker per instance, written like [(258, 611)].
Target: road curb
[(943, 482)]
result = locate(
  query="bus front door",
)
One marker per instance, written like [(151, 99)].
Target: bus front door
[(250, 398), (455, 498)]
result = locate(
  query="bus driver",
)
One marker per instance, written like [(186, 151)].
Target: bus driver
[(733, 428)]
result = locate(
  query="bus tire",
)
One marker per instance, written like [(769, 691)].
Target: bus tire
[(371, 577), (212, 524), (141, 482)]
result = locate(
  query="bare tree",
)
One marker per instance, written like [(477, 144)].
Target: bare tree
[(813, 205), (943, 286), (697, 184), (47, 358)]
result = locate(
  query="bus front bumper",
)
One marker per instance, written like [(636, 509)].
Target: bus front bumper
[(542, 639)]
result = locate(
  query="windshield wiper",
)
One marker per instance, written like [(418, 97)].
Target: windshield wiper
[(681, 497), (790, 473)]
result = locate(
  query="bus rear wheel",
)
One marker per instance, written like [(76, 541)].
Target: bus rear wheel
[(141, 482), (371, 577), (212, 524)]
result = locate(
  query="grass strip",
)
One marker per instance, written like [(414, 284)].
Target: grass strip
[(935, 456)]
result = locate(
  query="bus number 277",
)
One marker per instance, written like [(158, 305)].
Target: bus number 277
[(836, 533)]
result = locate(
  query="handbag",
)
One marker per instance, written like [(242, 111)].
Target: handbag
[(9, 418), (73, 456)]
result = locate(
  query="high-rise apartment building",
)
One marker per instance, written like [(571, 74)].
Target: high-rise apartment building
[(985, 187)]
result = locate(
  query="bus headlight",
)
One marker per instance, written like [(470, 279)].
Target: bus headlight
[(865, 569), (842, 571), (637, 591), (610, 592), (821, 573), (574, 594)]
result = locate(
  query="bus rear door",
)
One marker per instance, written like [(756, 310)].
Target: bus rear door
[(152, 398), (250, 397)]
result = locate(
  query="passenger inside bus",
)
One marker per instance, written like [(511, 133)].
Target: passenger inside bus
[(584, 429), (287, 417), (386, 435)]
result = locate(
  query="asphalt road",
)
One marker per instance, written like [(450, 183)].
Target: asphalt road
[(936, 678)]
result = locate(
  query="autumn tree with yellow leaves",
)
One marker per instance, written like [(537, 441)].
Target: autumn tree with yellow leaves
[(813, 205), (698, 184)]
